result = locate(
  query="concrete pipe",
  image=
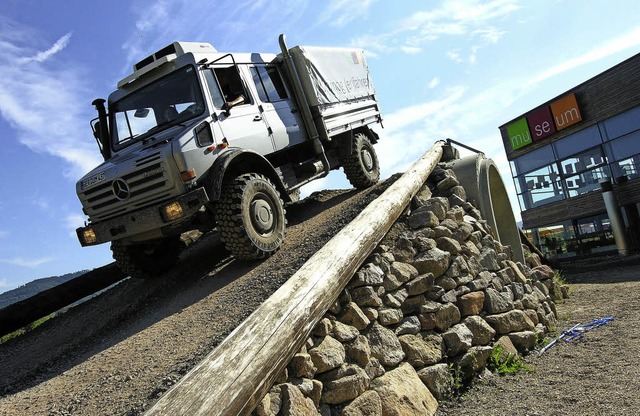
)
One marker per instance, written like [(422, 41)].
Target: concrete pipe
[(484, 187)]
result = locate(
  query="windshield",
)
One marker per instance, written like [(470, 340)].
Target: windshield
[(166, 102)]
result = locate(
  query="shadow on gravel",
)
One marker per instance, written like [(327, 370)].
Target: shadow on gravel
[(132, 306), (315, 204), (205, 271), (605, 269)]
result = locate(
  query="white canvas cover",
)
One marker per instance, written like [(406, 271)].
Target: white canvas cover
[(332, 75)]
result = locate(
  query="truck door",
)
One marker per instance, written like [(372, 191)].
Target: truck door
[(242, 124), (278, 110)]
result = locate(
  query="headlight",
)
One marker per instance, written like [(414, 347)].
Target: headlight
[(173, 211), (89, 236)]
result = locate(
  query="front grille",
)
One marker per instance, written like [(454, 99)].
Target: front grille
[(147, 182)]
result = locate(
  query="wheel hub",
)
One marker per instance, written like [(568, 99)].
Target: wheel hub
[(262, 215), (367, 159)]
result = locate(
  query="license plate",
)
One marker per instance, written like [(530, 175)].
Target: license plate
[(93, 180)]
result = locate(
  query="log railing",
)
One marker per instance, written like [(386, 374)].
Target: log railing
[(239, 372)]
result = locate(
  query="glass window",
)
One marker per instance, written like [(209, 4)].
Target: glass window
[(595, 234), (583, 161), (132, 123), (268, 83), (225, 85), (214, 89), (534, 159), (586, 181), (539, 187), (622, 124), (558, 240), (160, 105), (629, 168), (577, 142), (624, 147)]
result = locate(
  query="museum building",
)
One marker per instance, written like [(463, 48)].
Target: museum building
[(565, 152)]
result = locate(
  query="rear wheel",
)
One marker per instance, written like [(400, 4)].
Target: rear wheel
[(361, 166), (146, 260), (251, 217)]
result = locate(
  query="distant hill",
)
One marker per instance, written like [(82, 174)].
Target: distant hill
[(37, 286)]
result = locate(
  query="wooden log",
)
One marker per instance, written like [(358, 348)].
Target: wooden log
[(240, 371), (24, 312)]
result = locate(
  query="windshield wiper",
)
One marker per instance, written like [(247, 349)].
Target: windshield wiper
[(166, 124)]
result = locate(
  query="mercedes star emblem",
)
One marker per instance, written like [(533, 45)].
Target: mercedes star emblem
[(120, 189)]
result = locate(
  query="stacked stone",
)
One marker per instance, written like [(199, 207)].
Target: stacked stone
[(438, 294)]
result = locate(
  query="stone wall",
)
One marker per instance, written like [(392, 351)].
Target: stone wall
[(423, 312)]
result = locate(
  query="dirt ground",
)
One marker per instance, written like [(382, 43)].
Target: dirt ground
[(598, 376), (117, 354)]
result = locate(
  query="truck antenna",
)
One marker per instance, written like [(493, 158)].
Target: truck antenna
[(144, 45)]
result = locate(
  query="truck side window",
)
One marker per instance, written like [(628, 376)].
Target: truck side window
[(268, 83), (214, 89), (229, 84)]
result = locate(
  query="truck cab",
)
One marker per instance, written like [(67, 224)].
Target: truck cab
[(195, 138)]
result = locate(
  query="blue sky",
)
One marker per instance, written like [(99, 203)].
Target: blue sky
[(441, 69)]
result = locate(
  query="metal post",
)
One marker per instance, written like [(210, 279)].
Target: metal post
[(615, 217)]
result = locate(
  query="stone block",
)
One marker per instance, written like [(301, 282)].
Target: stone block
[(328, 355), (404, 393), (471, 303), (512, 321)]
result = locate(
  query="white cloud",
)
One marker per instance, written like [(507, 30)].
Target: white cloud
[(4, 283), (465, 12), (41, 98), (411, 50), (340, 12), (41, 202), (234, 27), (629, 40), (28, 263), (44, 55), (452, 18), (433, 83), (73, 221), (489, 34), (473, 56), (455, 56)]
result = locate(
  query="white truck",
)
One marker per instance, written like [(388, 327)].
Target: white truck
[(198, 139)]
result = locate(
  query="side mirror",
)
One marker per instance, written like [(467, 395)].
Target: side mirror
[(141, 113)]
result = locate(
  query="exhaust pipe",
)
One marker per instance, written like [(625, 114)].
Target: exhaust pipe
[(305, 112), (103, 129)]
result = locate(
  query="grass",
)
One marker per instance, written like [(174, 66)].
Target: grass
[(33, 325), (503, 364), (558, 277)]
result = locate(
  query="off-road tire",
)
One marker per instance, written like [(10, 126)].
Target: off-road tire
[(146, 260), (361, 166), (250, 216)]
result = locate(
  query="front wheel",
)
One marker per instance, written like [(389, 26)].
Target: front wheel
[(250, 216), (361, 166), (146, 260)]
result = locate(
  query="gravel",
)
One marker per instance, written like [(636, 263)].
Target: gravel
[(118, 353), (598, 376)]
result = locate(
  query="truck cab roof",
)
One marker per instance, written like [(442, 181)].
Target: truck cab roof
[(200, 52)]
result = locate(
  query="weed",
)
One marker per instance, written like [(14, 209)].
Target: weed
[(33, 325), (502, 363), (456, 377), (558, 277)]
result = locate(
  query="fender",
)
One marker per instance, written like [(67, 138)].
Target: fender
[(236, 161), (344, 142)]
